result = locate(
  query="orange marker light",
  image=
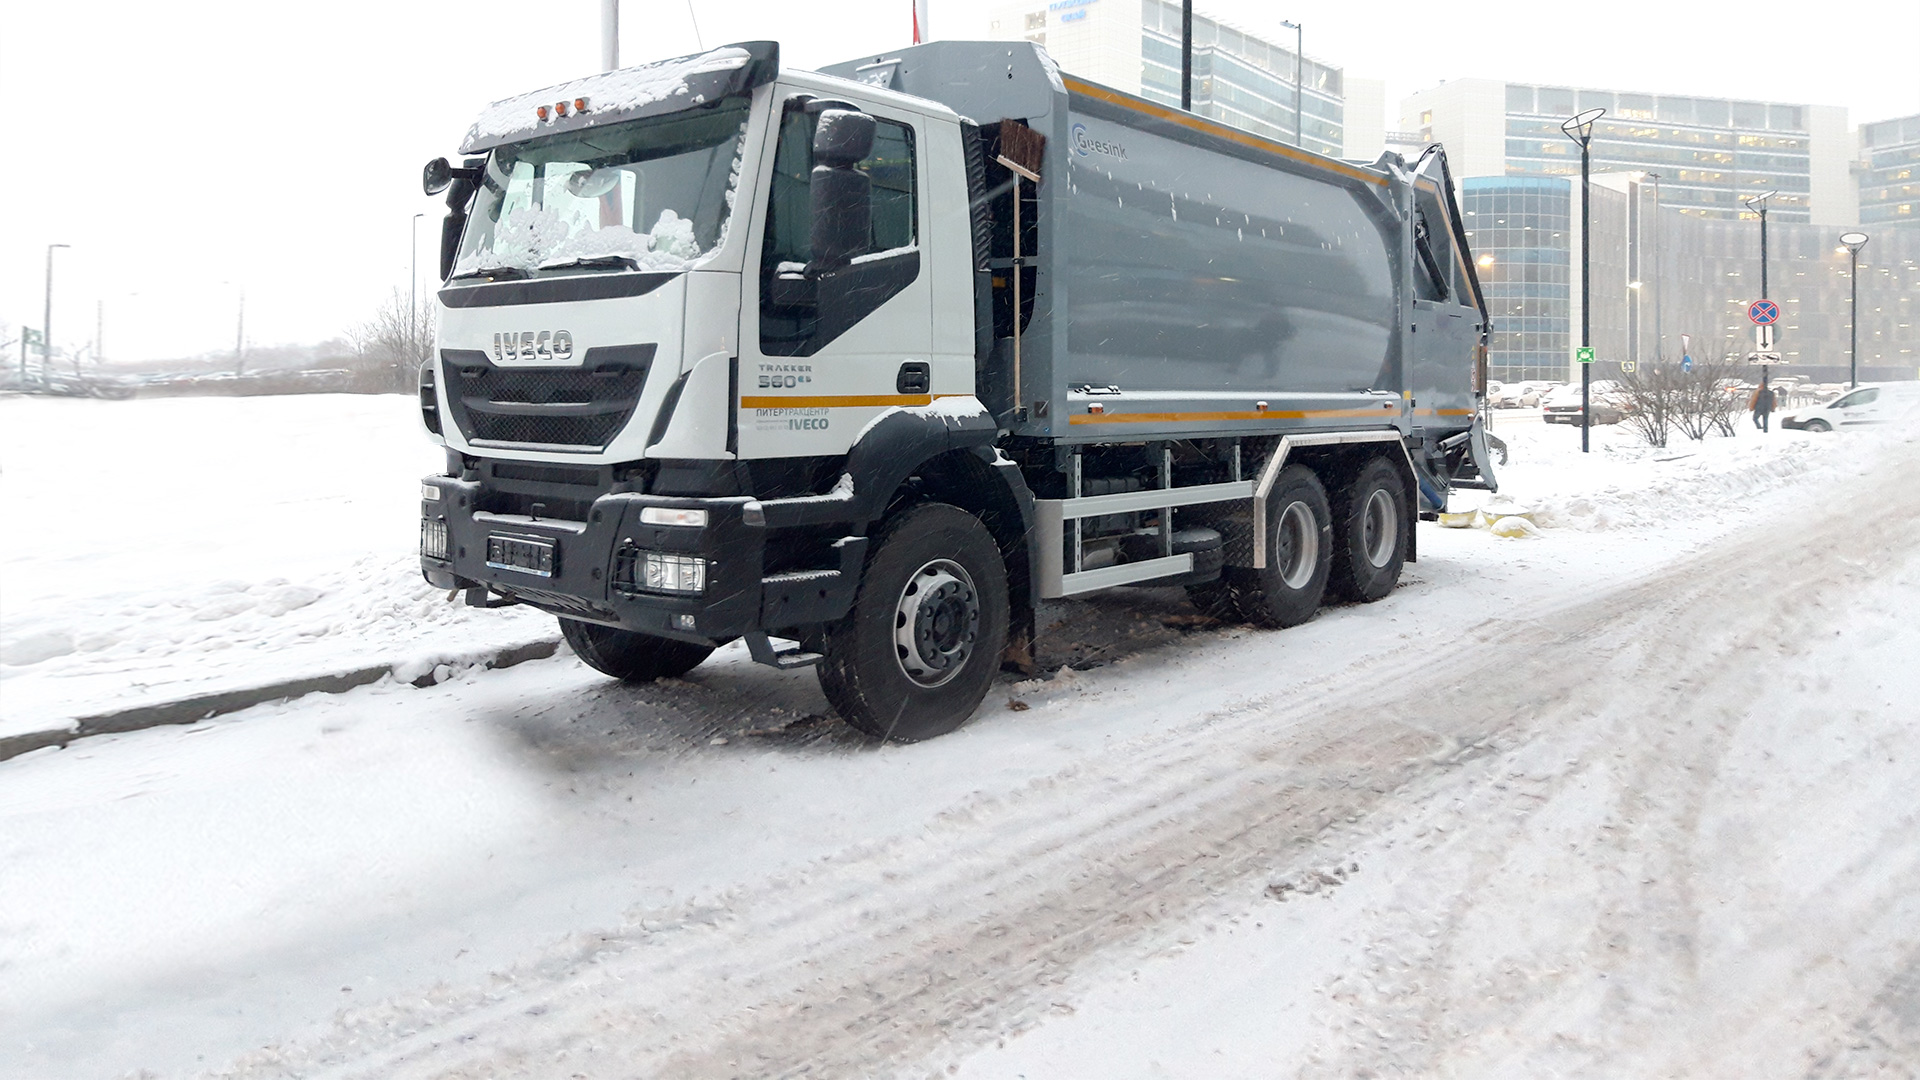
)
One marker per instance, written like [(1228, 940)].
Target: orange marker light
[(579, 104), (541, 112), (560, 107), (1096, 407)]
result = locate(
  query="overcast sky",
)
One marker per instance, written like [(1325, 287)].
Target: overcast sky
[(191, 150)]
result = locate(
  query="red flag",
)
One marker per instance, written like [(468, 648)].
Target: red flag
[(919, 21)]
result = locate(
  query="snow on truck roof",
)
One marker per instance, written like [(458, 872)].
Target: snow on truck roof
[(626, 94)]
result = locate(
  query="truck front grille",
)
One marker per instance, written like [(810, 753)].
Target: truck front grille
[(573, 408)]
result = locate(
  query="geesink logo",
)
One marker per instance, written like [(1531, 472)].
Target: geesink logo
[(1085, 145)]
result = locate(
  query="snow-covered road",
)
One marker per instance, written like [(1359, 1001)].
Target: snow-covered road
[(1631, 798)]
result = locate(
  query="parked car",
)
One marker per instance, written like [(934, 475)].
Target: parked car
[(1562, 406), (1861, 407)]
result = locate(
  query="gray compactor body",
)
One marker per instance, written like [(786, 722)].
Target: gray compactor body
[(1184, 279)]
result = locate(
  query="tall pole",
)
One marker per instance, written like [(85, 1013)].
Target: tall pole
[(240, 336), (1854, 241), (46, 318), (609, 35), (1299, 57), (1586, 296), (1186, 55), (1853, 317), (1579, 128), (413, 307), (1659, 333), (1759, 203)]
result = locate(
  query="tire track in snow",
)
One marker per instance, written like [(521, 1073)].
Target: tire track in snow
[(921, 946)]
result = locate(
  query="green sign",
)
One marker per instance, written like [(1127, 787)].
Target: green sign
[(1584, 354), (29, 335)]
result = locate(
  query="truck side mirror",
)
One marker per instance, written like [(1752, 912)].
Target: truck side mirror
[(436, 176), (841, 196), (460, 187)]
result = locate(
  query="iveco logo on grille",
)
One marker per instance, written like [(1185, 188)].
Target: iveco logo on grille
[(532, 345)]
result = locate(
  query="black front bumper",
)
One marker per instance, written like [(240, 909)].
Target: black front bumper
[(589, 567)]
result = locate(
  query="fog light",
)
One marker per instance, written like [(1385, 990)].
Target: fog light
[(433, 538), (672, 515), (673, 573)]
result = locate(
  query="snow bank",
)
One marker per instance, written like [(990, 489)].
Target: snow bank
[(217, 569), (1624, 485)]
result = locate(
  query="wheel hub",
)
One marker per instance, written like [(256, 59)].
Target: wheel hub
[(1299, 545), (936, 622), (1380, 528)]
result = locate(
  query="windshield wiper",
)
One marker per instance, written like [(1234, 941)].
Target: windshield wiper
[(596, 262), (498, 273)]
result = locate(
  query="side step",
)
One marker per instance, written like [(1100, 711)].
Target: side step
[(760, 647)]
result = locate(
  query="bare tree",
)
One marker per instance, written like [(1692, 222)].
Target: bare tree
[(396, 340), (1663, 398), (1654, 393)]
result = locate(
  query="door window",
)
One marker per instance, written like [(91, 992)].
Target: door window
[(802, 308)]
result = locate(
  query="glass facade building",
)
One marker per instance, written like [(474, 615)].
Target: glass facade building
[(1239, 78), (1711, 153), (1890, 172), (1520, 232)]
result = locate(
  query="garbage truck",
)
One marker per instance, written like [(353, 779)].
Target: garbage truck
[(861, 365)]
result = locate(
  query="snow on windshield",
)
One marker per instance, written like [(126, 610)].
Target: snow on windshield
[(612, 91), (536, 238), (651, 195)]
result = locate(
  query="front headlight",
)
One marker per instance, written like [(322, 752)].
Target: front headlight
[(433, 538), (661, 572)]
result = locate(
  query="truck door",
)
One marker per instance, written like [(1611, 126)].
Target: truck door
[(827, 346), (1447, 317)]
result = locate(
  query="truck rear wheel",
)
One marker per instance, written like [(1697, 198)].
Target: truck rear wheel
[(629, 655), (921, 646), (1370, 533), (1288, 590)]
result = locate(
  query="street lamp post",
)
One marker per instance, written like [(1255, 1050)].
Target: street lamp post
[(1758, 204), (609, 34), (1299, 57), (1659, 333), (1186, 55), (46, 318), (1580, 130), (1854, 241), (413, 305)]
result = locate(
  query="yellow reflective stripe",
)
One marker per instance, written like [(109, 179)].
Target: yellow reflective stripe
[(1200, 417), (1160, 112), (855, 401)]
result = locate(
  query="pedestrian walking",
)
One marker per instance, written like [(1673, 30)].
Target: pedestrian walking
[(1762, 405)]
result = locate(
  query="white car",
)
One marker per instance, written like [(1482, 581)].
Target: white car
[(1874, 403), (1562, 406)]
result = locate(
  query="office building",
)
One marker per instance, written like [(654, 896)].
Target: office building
[(1711, 153), (1660, 272), (1890, 172), (1239, 78)]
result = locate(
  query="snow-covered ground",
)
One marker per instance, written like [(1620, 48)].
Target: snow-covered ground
[(1629, 797), (163, 548)]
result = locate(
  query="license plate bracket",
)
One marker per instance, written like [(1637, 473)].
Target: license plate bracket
[(522, 554)]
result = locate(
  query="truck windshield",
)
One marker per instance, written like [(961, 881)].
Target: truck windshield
[(653, 194)]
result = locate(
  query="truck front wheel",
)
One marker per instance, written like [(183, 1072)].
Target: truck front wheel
[(1288, 590), (1371, 520), (917, 652), (625, 654)]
